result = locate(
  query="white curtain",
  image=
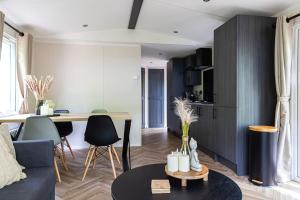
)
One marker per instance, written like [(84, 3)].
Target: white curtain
[(1, 29), (24, 56), (283, 64)]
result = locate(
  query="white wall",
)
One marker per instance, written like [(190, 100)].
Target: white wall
[(90, 76)]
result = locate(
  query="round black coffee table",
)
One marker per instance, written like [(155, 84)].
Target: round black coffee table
[(136, 185)]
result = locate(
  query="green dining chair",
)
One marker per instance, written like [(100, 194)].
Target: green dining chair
[(42, 128), (99, 111)]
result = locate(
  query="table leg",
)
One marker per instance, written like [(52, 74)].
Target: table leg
[(126, 147)]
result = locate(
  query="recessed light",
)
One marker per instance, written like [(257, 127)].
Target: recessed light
[(206, 0), (175, 31), (160, 54), (85, 25)]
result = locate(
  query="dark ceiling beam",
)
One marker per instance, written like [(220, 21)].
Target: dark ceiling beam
[(135, 12)]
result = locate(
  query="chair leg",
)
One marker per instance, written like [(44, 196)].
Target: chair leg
[(116, 155), (57, 171), (95, 158), (112, 162), (88, 164), (63, 159), (88, 155), (69, 146)]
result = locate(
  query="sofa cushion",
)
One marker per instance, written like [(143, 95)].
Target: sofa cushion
[(39, 184), (10, 170)]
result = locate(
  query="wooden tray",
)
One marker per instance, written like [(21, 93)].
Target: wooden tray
[(191, 175)]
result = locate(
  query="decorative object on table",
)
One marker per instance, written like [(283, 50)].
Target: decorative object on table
[(195, 163), (160, 186), (172, 162), (184, 163), (190, 175), (187, 116), (47, 108), (39, 88)]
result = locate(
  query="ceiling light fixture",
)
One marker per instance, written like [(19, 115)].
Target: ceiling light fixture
[(175, 32), (85, 25), (206, 0)]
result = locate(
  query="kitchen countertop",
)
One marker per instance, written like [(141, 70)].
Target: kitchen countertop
[(201, 104)]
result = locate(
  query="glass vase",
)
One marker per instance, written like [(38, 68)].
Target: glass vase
[(185, 150), (39, 104)]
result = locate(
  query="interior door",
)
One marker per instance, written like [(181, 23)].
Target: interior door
[(156, 97)]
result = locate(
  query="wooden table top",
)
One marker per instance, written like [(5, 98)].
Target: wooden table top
[(66, 117)]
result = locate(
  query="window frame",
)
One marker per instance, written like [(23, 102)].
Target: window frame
[(14, 90)]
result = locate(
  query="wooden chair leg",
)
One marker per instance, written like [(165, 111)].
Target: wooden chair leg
[(88, 163), (88, 155), (95, 158), (69, 146), (57, 171), (116, 155), (112, 162), (63, 159)]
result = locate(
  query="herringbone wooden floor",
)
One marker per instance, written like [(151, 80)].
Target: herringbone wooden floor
[(154, 150)]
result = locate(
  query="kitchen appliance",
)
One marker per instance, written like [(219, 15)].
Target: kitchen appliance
[(208, 85)]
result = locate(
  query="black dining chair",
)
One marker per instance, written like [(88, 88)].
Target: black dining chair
[(64, 130), (101, 134)]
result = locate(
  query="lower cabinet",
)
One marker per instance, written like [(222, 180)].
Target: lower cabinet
[(225, 132), (202, 130)]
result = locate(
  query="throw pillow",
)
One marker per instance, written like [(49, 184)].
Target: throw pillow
[(4, 131)]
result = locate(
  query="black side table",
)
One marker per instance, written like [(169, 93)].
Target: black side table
[(135, 184), (262, 155)]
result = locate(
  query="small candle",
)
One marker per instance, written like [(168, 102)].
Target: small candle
[(172, 161), (44, 110), (184, 163)]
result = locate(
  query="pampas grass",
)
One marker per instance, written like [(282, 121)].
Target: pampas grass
[(184, 111), (40, 87)]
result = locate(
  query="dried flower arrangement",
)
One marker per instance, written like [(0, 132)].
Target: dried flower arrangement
[(187, 116), (40, 87)]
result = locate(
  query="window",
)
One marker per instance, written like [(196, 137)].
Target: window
[(9, 89)]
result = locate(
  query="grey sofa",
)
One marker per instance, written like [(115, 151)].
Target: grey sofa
[(37, 157)]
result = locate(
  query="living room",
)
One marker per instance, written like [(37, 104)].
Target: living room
[(140, 99)]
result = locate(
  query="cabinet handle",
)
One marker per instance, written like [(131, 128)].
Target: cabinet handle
[(199, 111), (215, 95)]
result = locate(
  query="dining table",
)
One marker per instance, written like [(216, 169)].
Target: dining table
[(77, 117)]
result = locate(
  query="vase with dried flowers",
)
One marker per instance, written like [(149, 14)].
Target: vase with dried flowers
[(39, 88), (186, 114)]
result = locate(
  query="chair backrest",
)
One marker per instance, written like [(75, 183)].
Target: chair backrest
[(100, 131), (40, 128), (99, 111), (64, 128)]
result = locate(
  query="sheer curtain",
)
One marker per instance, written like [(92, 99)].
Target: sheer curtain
[(1, 29), (283, 64), (24, 56)]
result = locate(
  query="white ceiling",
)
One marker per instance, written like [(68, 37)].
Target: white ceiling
[(195, 20)]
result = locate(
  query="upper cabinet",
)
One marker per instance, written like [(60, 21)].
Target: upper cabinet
[(190, 61), (203, 58)]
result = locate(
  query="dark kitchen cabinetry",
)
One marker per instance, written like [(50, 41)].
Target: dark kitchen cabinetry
[(202, 130), (192, 77), (190, 61), (175, 88), (244, 85), (203, 57)]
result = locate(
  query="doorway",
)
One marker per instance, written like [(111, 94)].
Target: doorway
[(153, 98), (156, 98)]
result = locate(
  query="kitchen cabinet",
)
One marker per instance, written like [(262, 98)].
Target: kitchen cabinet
[(202, 130), (244, 86), (192, 77), (203, 57), (190, 61)]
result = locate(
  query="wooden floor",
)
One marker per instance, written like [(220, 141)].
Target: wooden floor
[(154, 150)]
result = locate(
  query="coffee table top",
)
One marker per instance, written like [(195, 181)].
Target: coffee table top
[(136, 185)]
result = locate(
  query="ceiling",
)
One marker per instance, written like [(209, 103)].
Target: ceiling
[(194, 20)]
